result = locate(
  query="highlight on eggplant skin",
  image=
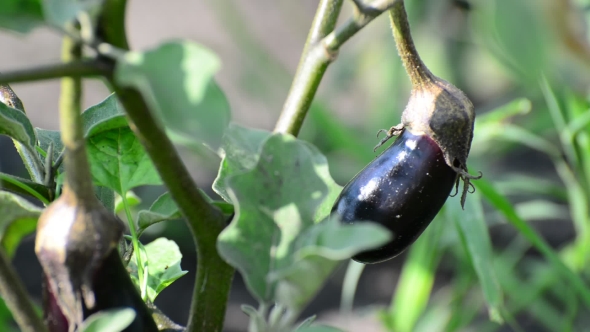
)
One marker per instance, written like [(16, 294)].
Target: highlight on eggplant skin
[(402, 189)]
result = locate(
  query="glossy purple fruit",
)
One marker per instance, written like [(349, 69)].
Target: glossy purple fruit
[(402, 189)]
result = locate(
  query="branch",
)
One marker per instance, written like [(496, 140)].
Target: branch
[(214, 275), (16, 298), (310, 70), (316, 58), (78, 176), (74, 69)]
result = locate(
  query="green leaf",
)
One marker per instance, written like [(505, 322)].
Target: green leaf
[(112, 320), (163, 261), (61, 12), (241, 146), (316, 253), (473, 230), (176, 79), (15, 124), (164, 208), (46, 137), (271, 240), (17, 220), (106, 196), (119, 162), (104, 116), (21, 15)]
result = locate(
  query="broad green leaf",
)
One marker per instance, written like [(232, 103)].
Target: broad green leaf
[(316, 253), (164, 208), (163, 261), (112, 320), (15, 124), (104, 116), (17, 220), (473, 230), (176, 79), (241, 146), (274, 202), (106, 196), (119, 162), (416, 280), (46, 137), (61, 12), (271, 239), (21, 15)]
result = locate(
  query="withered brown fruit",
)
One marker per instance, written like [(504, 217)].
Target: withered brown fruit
[(76, 245)]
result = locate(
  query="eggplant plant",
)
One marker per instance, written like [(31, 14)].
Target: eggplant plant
[(277, 217)]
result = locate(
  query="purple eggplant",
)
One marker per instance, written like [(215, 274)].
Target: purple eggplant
[(406, 186), (402, 189)]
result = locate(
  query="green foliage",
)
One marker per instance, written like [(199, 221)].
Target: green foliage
[(163, 259), (15, 124), (119, 161), (114, 320), (472, 229), (280, 189), (162, 209), (176, 79), (21, 15), (276, 203)]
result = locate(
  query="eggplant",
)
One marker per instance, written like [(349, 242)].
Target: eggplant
[(402, 189), (406, 186), (76, 244)]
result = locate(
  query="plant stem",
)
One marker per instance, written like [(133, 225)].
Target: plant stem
[(214, 275), (17, 299), (318, 54), (419, 74), (135, 242), (71, 69), (78, 176), (312, 66)]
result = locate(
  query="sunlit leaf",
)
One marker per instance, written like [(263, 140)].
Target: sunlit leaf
[(119, 162), (176, 79), (163, 260)]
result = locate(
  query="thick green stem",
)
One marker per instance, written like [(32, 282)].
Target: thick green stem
[(17, 299), (419, 74), (318, 54), (78, 176), (214, 275)]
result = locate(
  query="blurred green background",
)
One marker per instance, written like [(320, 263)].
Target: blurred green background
[(526, 66)]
